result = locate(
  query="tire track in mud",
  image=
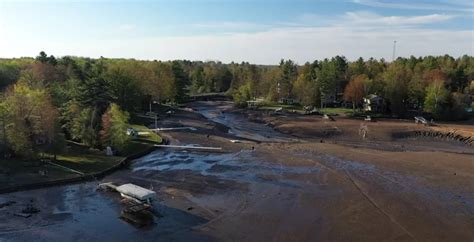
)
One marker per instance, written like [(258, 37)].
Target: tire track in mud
[(368, 198), (210, 225), (376, 205)]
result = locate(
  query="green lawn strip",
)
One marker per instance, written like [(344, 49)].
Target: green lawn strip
[(86, 160), (149, 136), (87, 163), (334, 111)]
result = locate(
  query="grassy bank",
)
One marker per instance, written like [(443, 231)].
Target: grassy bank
[(16, 171), (336, 111), (88, 160)]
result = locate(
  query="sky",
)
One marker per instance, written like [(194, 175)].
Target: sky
[(257, 31)]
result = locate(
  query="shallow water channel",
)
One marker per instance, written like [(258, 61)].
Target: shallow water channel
[(238, 124)]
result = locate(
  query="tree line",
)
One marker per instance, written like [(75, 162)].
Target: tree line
[(46, 100), (441, 86)]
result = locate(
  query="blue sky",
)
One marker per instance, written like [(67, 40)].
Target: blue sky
[(259, 31)]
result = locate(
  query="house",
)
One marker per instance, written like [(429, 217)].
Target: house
[(288, 101), (254, 104), (374, 103)]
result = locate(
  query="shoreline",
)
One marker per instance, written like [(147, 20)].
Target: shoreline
[(82, 178)]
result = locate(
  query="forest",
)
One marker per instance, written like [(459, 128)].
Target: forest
[(47, 100)]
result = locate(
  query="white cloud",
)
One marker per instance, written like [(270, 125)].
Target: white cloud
[(229, 26), (459, 5), (353, 34), (268, 47), (371, 18)]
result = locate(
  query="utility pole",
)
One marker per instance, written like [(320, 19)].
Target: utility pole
[(394, 50)]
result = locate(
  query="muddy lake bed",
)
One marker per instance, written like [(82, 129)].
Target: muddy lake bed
[(276, 185)]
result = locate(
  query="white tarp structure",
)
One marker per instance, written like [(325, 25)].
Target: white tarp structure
[(139, 193)]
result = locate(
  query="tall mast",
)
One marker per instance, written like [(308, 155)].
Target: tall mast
[(394, 50)]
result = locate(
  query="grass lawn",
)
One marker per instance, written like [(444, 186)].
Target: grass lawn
[(148, 134), (87, 160), (333, 111)]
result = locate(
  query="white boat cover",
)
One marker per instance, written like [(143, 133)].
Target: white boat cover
[(137, 192)]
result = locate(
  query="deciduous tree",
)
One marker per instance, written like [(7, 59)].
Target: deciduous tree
[(114, 126), (30, 119), (355, 90)]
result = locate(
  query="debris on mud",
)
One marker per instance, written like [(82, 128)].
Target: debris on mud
[(30, 209), (136, 213), (24, 215), (6, 204), (27, 212)]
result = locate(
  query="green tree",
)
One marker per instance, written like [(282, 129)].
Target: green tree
[(42, 57), (416, 92), (341, 66), (9, 73), (305, 86), (396, 80), (58, 143), (166, 87), (436, 98), (358, 67), (83, 128), (124, 88), (94, 96), (327, 81), (114, 126), (242, 95), (179, 82), (29, 119), (288, 71), (197, 80)]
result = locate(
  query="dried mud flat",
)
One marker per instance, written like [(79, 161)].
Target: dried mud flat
[(272, 186)]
